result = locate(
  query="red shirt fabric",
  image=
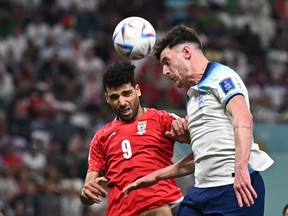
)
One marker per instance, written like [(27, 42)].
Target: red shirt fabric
[(128, 151)]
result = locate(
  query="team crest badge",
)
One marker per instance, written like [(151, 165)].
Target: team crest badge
[(141, 127)]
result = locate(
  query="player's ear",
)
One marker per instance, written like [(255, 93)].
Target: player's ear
[(106, 97), (186, 52), (138, 90)]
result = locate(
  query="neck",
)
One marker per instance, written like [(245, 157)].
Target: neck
[(199, 71), (141, 111)]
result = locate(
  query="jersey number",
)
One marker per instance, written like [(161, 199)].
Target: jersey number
[(126, 148)]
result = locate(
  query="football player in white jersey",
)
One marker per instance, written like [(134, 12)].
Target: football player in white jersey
[(225, 160)]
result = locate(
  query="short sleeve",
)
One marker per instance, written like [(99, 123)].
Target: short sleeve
[(96, 157), (166, 119), (229, 85)]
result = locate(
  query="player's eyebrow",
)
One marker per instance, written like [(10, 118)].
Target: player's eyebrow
[(124, 92), (113, 96), (163, 61)]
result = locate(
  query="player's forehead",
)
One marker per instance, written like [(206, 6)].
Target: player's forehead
[(120, 89), (165, 55)]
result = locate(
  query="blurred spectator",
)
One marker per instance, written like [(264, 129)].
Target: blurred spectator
[(51, 48), (8, 184), (55, 156), (97, 117), (78, 142), (63, 128), (70, 203), (90, 69), (52, 13), (16, 43), (63, 31), (24, 74), (275, 91), (25, 203), (78, 46), (8, 190), (255, 90), (277, 56), (7, 87), (3, 124), (61, 78), (90, 63), (42, 103), (18, 114), (88, 17), (49, 201), (235, 58), (281, 9), (35, 160), (11, 158), (71, 185), (37, 30), (264, 111)]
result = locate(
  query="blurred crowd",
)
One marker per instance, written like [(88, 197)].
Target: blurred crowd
[(52, 57)]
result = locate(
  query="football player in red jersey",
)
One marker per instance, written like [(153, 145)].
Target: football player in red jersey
[(129, 147)]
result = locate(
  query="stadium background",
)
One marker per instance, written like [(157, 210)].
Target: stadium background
[(52, 55)]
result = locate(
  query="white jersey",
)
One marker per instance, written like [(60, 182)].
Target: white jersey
[(211, 130)]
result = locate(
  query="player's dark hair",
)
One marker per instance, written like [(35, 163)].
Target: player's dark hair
[(118, 74), (179, 34)]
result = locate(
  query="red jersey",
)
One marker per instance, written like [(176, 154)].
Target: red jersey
[(128, 151)]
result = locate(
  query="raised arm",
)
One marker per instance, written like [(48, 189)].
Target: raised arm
[(184, 166)]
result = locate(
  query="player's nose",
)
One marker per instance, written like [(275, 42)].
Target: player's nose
[(121, 101), (165, 70)]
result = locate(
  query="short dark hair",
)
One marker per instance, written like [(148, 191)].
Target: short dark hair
[(117, 74), (177, 35)]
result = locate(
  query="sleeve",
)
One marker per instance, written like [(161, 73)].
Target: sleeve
[(166, 119), (96, 159), (228, 85)]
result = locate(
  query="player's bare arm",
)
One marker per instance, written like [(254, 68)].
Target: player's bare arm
[(92, 191), (184, 166), (243, 131)]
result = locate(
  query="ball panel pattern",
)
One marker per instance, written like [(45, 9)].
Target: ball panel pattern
[(134, 38)]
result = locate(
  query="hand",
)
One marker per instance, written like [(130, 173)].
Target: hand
[(243, 188), (179, 130), (92, 190), (145, 181)]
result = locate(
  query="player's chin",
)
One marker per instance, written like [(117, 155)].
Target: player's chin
[(179, 84), (126, 116)]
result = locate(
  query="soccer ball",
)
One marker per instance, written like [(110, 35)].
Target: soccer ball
[(134, 38)]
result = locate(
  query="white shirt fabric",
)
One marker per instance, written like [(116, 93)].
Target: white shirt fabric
[(211, 130)]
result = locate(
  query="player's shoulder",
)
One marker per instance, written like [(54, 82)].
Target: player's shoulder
[(106, 130), (220, 70), (214, 72), (160, 113)]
